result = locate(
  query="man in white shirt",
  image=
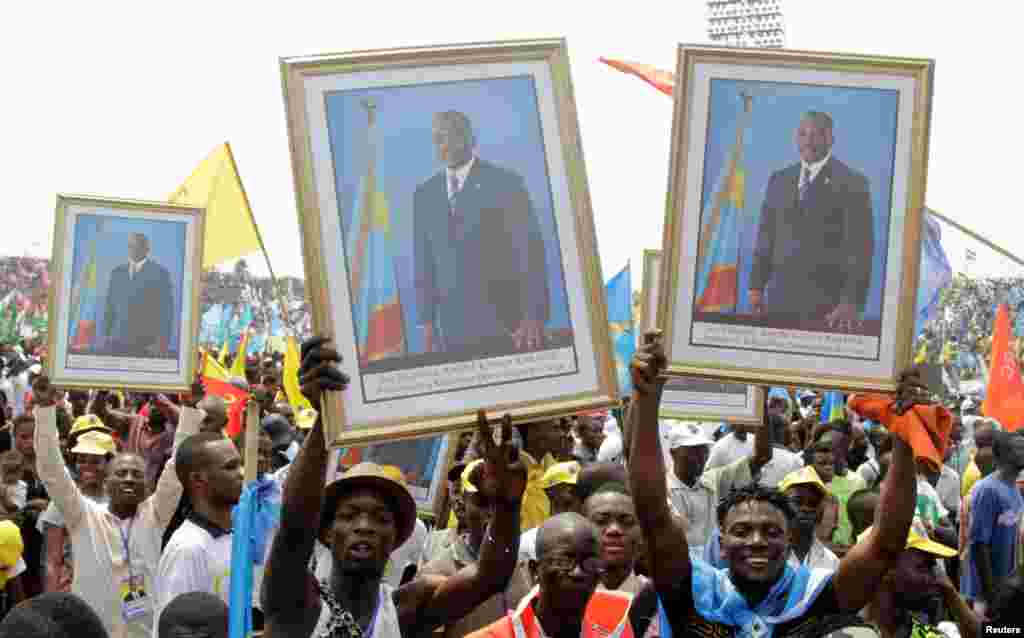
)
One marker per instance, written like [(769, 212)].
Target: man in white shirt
[(116, 546), (198, 555), (738, 445)]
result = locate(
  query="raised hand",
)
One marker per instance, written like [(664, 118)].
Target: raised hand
[(502, 474), (648, 364), (318, 372), (911, 391), (44, 395)]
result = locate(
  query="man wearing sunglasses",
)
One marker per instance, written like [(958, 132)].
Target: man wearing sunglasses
[(564, 603)]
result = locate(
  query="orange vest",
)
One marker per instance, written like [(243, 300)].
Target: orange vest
[(606, 616)]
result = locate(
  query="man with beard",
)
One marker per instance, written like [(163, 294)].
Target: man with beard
[(759, 594), (368, 515), (198, 555), (995, 509), (564, 604), (903, 606), (465, 550), (116, 547), (807, 494)]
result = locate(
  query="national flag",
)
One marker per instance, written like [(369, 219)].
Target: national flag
[(290, 379), (718, 253), (84, 301), (212, 369), (241, 356), (935, 273), (664, 81), (235, 398), (222, 358), (619, 292), (230, 228), (833, 407), (253, 521), (1004, 399), (377, 307)]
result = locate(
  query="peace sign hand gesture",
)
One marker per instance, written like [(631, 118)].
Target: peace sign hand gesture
[(502, 475)]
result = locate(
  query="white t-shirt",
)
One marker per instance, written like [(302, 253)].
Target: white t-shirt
[(193, 560), (729, 449), (528, 545)]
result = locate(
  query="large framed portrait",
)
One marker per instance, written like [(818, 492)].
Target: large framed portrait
[(124, 298), (793, 232), (692, 398), (446, 222)]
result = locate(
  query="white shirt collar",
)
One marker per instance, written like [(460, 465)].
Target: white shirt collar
[(137, 265), (814, 168), (461, 173)]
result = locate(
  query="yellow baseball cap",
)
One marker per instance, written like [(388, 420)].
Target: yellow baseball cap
[(95, 443), (565, 473), (806, 475), (393, 473), (305, 419), (11, 549), (88, 422), (922, 543)]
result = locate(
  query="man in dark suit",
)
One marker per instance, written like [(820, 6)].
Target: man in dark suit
[(481, 276), (815, 242), (139, 310)]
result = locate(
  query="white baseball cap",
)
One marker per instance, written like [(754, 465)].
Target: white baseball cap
[(687, 434)]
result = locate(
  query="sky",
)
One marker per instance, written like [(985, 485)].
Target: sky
[(124, 100)]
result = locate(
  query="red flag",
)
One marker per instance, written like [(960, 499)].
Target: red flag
[(664, 81), (1004, 399), (235, 400)]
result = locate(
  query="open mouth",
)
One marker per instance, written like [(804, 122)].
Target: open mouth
[(360, 551), (757, 562)]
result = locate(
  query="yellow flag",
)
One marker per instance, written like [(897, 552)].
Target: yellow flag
[(291, 376), (214, 370), (222, 358), (230, 227), (238, 367)]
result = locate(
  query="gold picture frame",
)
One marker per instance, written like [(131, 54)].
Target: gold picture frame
[(695, 399), (362, 92), (827, 324), (96, 342)]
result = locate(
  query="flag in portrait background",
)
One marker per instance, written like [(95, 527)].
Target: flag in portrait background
[(377, 306), (619, 293), (936, 273), (84, 300)]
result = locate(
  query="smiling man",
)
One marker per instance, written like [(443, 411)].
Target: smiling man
[(815, 242), (117, 546), (759, 594)]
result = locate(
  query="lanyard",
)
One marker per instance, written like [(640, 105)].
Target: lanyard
[(126, 541)]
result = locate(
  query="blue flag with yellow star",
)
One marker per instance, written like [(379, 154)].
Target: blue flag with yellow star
[(619, 292)]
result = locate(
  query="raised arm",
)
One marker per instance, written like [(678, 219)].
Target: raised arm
[(168, 489), (49, 460), (289, 602), (431, 601), (665, 537), (861, 571)]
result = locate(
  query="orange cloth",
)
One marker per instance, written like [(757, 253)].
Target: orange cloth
[(1004, 398), (606, 616), (925, 428)]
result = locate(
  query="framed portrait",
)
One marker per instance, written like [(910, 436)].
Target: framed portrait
[(423, 463), (446, 220), (792, 238), (692, 398), (124, 297)]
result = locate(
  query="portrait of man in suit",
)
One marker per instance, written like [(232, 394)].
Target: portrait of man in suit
[(815, 240), (480, 273), (139, 309)]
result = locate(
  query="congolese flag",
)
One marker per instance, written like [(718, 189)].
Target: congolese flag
[(619, 292), (84, 300), (377, 309), (833, 407), (719, 249)]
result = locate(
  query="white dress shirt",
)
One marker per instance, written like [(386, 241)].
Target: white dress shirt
[(135, 266), (814, 168), (461, 174)]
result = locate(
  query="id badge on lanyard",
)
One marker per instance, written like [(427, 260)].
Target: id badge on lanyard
[(135, 601)]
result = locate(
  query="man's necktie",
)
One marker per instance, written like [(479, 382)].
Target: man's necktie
[(805, 183), (453, 189)]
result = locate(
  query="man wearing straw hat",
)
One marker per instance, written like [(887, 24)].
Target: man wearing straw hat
[(368, 515)]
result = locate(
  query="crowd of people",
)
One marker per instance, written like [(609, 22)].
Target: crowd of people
[(902, 518)]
